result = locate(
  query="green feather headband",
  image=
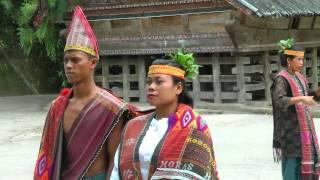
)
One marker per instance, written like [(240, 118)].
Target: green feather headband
[(187, 62), (286, 44)]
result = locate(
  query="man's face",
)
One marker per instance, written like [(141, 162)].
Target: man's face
[(78, 66)]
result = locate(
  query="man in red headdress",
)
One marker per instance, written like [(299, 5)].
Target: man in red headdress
[(84, 124)]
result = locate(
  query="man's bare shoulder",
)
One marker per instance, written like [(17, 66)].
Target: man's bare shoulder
[(60, 98)]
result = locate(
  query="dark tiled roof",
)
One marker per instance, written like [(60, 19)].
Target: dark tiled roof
[(159, 44), (100, 9), (263, 8)]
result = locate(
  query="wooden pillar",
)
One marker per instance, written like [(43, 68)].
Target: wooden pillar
[(304, 69), (278, 63), (125, 74), (145, 25), (240, 80), (141, 78), (266, 73), (216, 78), (314, 68), (185, 23), (196, 89), (105, 72)]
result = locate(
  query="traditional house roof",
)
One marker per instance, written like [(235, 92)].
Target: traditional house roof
[(159, 44), (261, 8), (96, 10), (231, 40), (264, 8)]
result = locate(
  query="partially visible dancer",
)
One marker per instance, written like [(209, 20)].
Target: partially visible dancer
[(173, 142), (295, 141), (84, 124)]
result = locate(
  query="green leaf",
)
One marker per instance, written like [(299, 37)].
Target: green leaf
[(187, 62), (42, 31), (51, 3), (27, 10), (58, 11), (26, 37), (286, 44), (51, 42)]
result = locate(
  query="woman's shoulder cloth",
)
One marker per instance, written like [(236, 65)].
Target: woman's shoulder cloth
[(186, 117), (140, 119)]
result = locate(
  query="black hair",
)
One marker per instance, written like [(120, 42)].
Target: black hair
[(284, 57), (184, 97)]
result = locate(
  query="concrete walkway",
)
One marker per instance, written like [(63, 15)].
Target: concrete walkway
[(242, 142)]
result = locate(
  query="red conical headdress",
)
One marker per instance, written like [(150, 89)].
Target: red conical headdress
[(80, 35)]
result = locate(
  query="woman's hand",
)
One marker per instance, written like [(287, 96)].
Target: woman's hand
[(317, 92), (309, 100)]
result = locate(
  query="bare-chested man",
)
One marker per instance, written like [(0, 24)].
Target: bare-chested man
[(84, 124)]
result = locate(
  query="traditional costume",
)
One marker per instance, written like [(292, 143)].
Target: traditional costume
[(176, 147), (294, 139), (69, 156)]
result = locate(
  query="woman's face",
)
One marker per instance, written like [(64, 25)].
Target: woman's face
[(296, 64), (161, 90)]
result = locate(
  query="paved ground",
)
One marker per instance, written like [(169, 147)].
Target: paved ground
[(242, 141)]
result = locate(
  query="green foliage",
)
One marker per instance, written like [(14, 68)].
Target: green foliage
[(187, 61), (41, 32), (47, 34), (2, 44), (26, 11), (57, 9), (8, 23), (64, 82), (37, 51), (286, 44), (3, 67), (52, 3), (26, 37), (7, 5)]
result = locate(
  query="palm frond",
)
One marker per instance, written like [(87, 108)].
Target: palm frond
[(42, 31), (26, 12), (26, 36)]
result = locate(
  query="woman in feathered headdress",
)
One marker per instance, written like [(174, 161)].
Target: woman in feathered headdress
[(294, 140)]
